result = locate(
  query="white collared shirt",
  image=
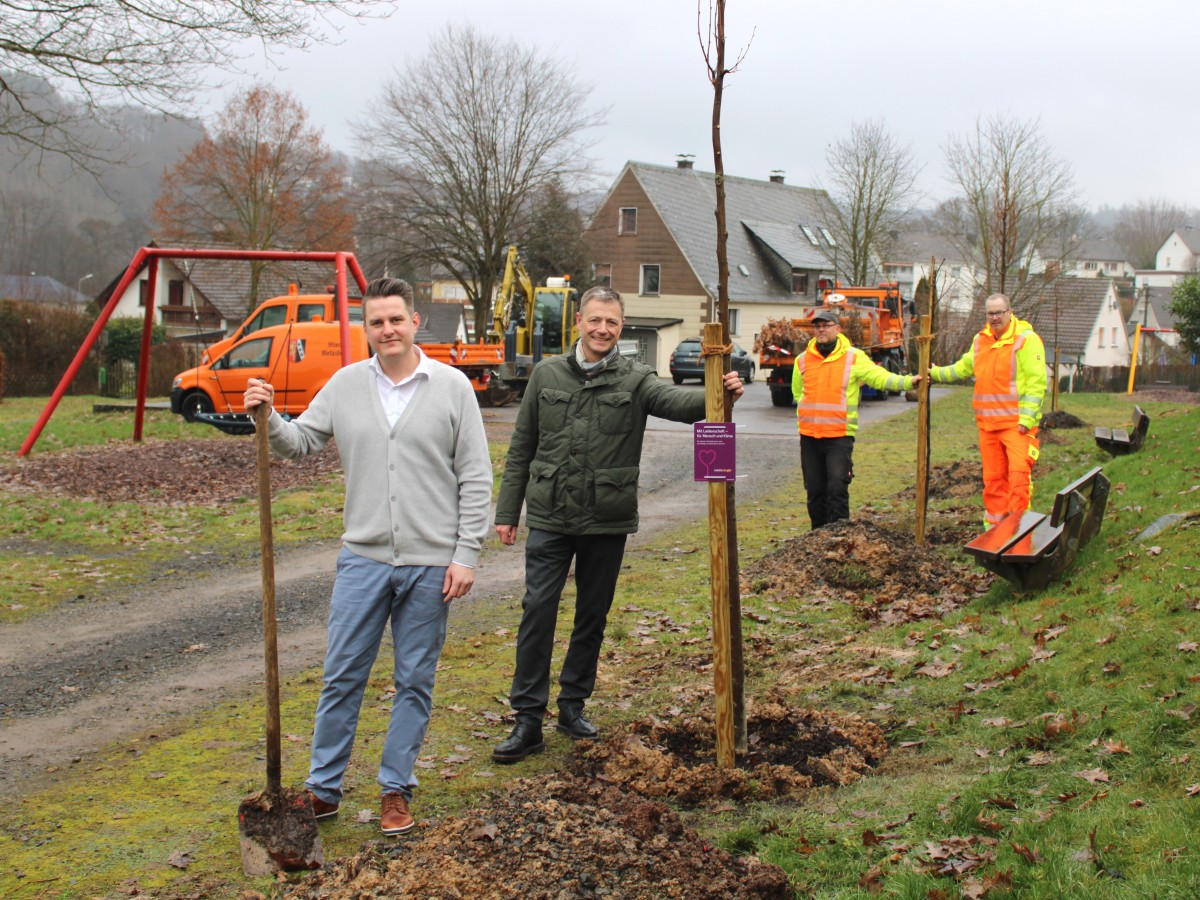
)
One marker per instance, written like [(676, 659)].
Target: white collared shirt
[(395, 396)]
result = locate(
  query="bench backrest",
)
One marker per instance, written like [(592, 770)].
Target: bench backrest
[(1083, 485), (1141, 421)]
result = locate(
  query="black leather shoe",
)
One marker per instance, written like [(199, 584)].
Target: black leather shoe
[(525, 739), (574, 724)]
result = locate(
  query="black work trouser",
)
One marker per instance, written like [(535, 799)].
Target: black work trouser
[(828, 469), (548, 558)]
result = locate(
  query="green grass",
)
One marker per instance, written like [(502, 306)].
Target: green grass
[(1091, 678)]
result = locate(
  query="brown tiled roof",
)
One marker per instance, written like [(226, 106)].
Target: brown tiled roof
[(1069, 308)]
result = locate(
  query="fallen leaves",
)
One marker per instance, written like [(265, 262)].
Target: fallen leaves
[(1092, 776)]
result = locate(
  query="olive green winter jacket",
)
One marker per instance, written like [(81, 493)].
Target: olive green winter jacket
[(573, 459)]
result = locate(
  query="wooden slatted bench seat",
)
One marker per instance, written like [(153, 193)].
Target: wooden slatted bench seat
[(1118, 441), (1032, 549)]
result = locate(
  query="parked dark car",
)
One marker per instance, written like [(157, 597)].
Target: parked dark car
[(686, 362)]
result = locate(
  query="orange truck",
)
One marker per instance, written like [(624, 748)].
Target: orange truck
[(294, 342), (873, 318)]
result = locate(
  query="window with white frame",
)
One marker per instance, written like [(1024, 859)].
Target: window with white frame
[(649, 280), (735, 321), (1101, 333), (1114, 337), (627, 220), (811, 235), (602, 274)]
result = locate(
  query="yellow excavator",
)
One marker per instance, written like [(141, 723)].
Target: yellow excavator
[(531, 322)]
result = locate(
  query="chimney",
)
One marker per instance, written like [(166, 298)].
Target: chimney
[(777, 176), (683, 161)]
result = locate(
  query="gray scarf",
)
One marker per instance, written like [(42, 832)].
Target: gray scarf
[(592, 369)]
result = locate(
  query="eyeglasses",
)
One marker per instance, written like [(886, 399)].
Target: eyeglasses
[(998, 315)]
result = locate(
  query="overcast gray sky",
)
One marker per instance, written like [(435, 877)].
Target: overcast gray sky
[(1112, 83)]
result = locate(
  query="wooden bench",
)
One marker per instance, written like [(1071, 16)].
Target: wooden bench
[(1032, 549), (1118, 441)]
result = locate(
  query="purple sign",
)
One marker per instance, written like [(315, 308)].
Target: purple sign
[(716, 451)]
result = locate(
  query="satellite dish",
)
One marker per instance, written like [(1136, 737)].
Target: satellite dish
[(836, 299)]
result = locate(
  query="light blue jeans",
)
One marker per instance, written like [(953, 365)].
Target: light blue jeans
[(365, 594)]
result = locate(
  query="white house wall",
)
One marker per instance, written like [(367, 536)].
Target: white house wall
[(1116, 349), (1174, 256), (128, 306)]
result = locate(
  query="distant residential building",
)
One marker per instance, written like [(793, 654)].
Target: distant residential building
[(1097, 259), (1178, 258), (654, 239), (203, 298), (41, 289), (1083, 317), (908, 263)]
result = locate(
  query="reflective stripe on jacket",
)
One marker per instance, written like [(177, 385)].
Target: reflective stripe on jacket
[(827, 388), (1010, 376)]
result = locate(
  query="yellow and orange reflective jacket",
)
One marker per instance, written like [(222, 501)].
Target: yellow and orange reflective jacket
[(827, 388), (1010, 376)]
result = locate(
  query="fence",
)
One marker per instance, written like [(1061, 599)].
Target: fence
[(1115, 379)]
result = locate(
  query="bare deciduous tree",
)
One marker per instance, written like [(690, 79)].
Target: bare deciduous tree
[(466, 137), (872, 187), (1016, 200), (264, 179), (153, 53), (1140, 229)]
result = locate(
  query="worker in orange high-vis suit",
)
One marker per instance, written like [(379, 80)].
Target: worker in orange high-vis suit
[(1009, 364), (826, 382)]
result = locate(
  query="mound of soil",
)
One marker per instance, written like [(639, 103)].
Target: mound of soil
[(1062, 419), (962, 478), (195, 472), (790, 750), (550, 838), (882, 573)]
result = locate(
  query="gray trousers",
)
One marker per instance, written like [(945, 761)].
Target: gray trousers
[(548, 558)]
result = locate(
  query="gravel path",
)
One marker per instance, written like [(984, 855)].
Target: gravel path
[(87, 674)]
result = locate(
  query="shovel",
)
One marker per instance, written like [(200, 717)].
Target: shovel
[(277, 827)]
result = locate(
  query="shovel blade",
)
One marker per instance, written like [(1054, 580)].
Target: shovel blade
[(279, 833)]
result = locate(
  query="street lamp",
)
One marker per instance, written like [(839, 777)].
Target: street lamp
[(79, 284)]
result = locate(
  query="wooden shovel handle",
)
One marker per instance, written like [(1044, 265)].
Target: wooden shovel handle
[(262, 412)]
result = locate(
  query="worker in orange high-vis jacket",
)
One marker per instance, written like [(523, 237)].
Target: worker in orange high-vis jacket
[(1009, 364), (826, 382)]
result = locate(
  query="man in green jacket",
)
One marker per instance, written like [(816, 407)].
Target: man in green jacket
[(573, 463)]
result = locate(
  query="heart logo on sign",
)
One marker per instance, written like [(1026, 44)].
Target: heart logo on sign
[(707, 458)]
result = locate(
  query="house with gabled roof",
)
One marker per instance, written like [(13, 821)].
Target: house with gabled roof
[(1097, 258), (1178, 258), (41, 289), (908, 261), (654, 239), (208, 298), (1083, 318)]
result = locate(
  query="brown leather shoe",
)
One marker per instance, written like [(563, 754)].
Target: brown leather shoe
[(396, 818), (321, 809)]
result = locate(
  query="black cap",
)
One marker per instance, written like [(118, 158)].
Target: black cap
[(827, 315)]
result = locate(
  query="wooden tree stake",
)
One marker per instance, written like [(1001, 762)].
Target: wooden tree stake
[(718, 543)]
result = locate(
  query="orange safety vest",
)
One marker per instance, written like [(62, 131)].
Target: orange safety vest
[(822, 412), (995, 359)]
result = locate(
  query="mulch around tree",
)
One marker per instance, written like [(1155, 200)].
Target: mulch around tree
[(789, 751), (881, 572), (550, 838), (202, 471)]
